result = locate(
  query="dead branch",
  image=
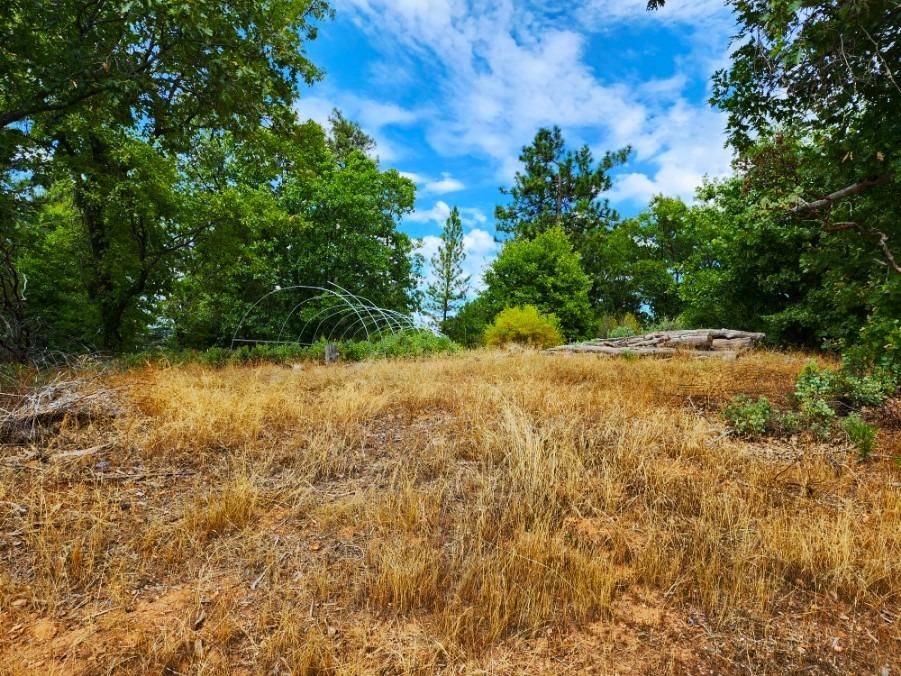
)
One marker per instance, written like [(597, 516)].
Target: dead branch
[(53, 402)]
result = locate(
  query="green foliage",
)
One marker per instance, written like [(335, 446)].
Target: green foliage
[(631, 321), (816, 383), (667, 324), (627, 325), (605, 324), (817, 415), (637, 265), (467, 327), (845, 388), (757, 267), (413, 344), (544, 272), (296, 215), (861, 434), (558, 188), (816, 392), (347, 137), (524, 325), (621, 331), (785, 73), (450, 284), (113, 97), (808, 125), (749, 418), (402, 344)]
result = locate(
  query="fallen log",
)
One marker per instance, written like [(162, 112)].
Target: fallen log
[(724, 343)]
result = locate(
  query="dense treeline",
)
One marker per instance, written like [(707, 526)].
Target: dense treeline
[(797, 243), (155, 181)]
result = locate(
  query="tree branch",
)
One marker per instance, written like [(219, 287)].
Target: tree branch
[(881, 238), (825, 203), (848, 191)]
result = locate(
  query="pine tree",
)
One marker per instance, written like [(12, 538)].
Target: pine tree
[(559, 187), (450, 284)]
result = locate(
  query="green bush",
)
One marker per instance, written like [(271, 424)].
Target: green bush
[(861, 434), (403, 344), (815, 383), (524, 325), (606, 324), (667, 324), (822, 393), (632, 322), (414, 344), (610, 327), (748, 418), (214, 356), (621, 331), (544, 272), (817, 416), (467, 327)]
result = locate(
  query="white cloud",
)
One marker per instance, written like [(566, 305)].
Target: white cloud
[(441, 186), (471, 215), (607, 12), (685, 144), (373, 116), (504, 69), (438, 213)]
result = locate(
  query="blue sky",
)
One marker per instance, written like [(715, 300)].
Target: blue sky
[(452, 89)]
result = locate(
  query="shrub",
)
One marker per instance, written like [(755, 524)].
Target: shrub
[(749, 418), (861, 434), (816, 383), (413, 344), (621, 331), (214, 356), (524, 325), (822, 392), (606, 324), (667, 324), (467, 327), (817, 416), (544, 272), (632, 322)]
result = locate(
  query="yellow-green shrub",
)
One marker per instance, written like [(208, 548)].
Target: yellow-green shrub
[(524, 325)]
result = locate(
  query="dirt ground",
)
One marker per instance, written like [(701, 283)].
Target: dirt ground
[(488, 512)]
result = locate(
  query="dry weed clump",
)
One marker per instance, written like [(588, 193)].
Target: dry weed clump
[(486, 512)]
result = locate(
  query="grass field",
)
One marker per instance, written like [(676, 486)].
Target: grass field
[(481, 513)]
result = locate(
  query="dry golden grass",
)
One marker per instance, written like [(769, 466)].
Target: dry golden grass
[(484, 513)]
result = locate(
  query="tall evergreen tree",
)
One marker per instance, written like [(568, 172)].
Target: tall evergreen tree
[(450, 284), (558, 187)]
